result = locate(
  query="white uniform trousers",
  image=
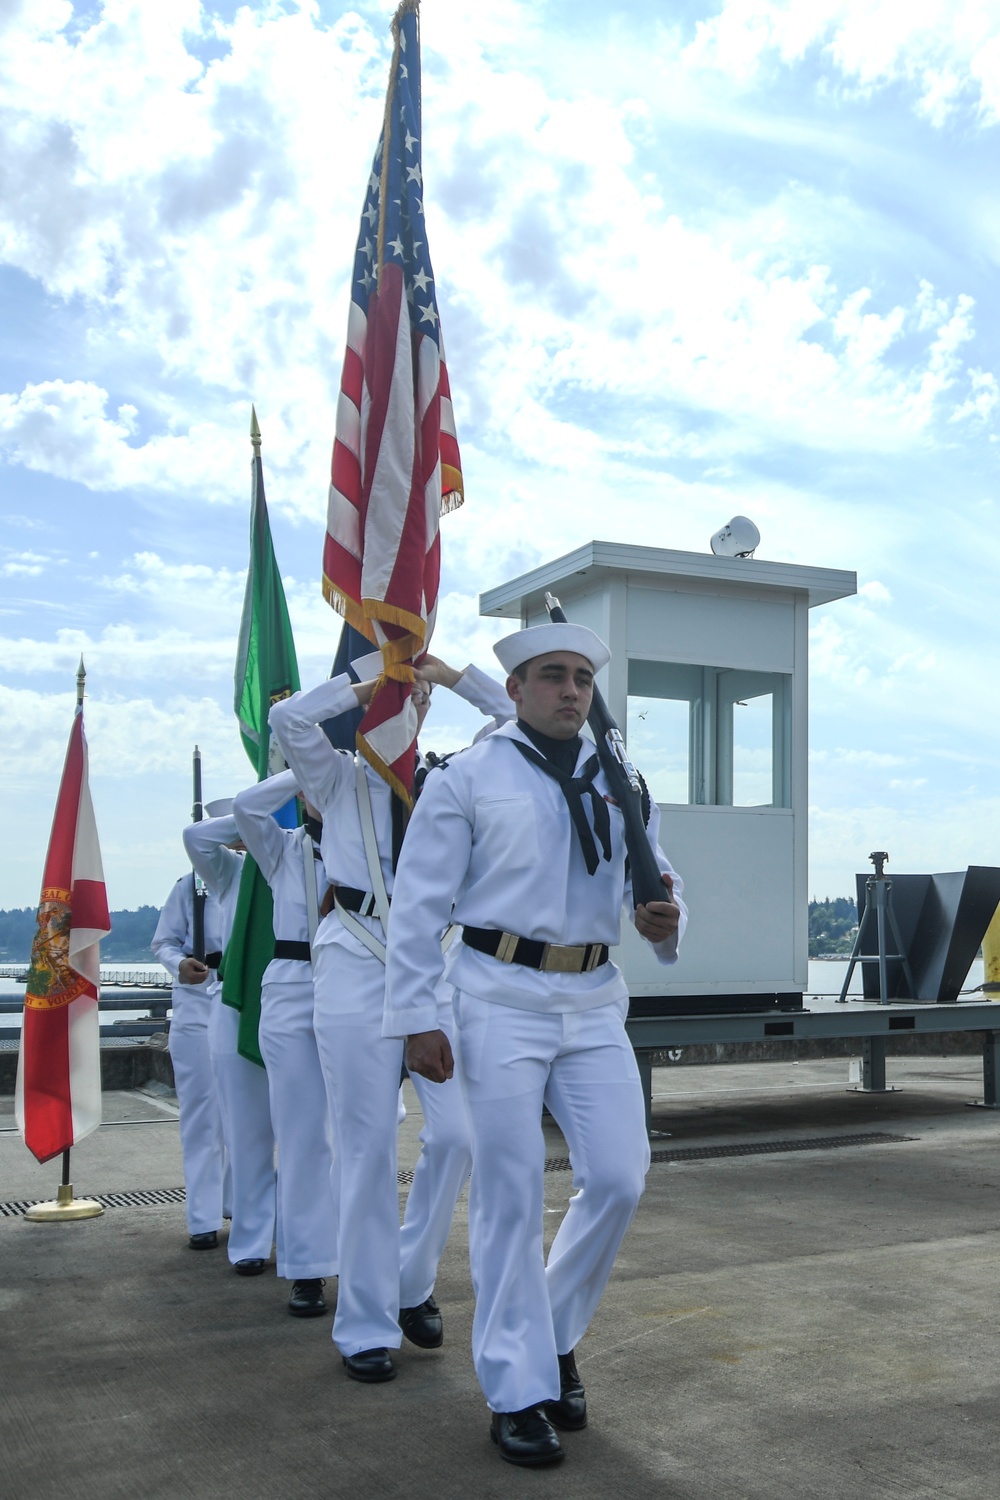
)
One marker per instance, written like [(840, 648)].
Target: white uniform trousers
[(202, 1147), (246, 1123), (582, 1067), (307, 1217), (441, 1172), (362, 1069)]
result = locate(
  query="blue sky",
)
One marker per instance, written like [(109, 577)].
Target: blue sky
[(727, 256)]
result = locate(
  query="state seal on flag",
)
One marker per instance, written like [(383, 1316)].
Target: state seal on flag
[(52, 981)]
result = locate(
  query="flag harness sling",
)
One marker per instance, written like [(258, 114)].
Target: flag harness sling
[(379, 892)]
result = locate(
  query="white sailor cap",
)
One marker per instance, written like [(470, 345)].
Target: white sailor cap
[(539, 640), (220, 808)]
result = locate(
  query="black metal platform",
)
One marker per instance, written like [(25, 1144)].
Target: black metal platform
[(873, 1024)]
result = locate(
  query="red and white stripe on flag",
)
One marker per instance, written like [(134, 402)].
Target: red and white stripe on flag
[(396, 465), (58, 1091)]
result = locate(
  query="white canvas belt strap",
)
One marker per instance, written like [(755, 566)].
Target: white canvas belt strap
[(367, 819), (312, 901), (371, 843), (360, 931), (379, 893)]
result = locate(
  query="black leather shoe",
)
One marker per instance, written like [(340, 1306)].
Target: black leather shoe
[(526, 1438), (569, 1413), (208, 1240), (370, 1366), (422, 1325), (307, 1300), (249, 1267)]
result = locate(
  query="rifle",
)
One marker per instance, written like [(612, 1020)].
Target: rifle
[(200, 894), (626, 787)]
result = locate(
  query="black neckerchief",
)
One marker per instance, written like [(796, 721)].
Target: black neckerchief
[(562, 753), (400, 818), (574, 788)]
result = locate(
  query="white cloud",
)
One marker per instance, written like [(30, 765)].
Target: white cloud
[(667, 296), (855, 759), (875, 592), (140, 759), (62, 428), (197, 212), (27, 564), (923, 834), (948, 51)]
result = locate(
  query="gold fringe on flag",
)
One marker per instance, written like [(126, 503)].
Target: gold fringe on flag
[(380, 768)]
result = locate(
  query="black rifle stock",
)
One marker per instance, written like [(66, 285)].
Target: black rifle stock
[(199, 892), (623, 779)]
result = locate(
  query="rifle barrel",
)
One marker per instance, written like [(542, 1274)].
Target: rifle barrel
[(624, 781), (199, 894)]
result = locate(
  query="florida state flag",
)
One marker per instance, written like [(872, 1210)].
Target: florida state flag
[(58, 1094)]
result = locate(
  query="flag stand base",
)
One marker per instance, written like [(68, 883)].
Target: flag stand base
[(64, 1207)]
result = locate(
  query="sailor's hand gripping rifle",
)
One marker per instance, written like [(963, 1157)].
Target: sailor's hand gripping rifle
[(626, 787)]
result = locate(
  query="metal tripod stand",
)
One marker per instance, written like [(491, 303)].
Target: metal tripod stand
[(878, 907)]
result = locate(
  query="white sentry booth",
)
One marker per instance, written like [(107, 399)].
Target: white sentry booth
[(709, 684)]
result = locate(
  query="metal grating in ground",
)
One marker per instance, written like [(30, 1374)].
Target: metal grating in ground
[(144, 1198)]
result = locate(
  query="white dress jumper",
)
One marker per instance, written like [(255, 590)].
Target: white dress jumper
[(203, 1149), (307, 1180), (242, 1085), (491, 845), (381, 1268)]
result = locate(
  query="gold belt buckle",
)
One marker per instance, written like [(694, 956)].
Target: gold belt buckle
[(558, 959), (507, 947)]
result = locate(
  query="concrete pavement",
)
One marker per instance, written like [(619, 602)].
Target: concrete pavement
[(787, 1323)]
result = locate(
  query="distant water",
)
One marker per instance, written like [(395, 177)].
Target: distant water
[(826, 977), (11, 989)]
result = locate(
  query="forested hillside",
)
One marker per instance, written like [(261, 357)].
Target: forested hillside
[(831, 930), (128, 941), (832, 925)]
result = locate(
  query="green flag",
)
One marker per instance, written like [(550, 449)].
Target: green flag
[(266, 670)]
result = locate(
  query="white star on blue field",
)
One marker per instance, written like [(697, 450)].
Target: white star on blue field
[(722, 257)]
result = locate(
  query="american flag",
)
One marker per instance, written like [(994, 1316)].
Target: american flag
[(396, 466)]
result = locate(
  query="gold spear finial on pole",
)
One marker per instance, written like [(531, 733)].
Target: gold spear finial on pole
[(81, 679), (254, 432)]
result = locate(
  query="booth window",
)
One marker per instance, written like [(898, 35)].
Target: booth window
[(711, 735)]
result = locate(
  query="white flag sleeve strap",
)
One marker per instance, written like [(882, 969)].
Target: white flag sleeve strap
[(312, 901), (379, 891)]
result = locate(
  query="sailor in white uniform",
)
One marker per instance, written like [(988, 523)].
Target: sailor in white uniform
[(386, 1280), (192, 997), (529, 857), (242, 1085), (307, 1218)]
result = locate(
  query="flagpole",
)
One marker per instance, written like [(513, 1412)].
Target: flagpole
[(81, 688), (65, 1206)]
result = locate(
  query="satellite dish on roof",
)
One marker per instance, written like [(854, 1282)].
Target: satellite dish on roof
[(737, 539)]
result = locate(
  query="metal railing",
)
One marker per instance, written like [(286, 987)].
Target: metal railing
[(142, 1008), (143, 976)]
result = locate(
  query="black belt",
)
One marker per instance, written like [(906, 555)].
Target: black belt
[(289, 948), (362, 902), (211, 960), (551, 958)]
